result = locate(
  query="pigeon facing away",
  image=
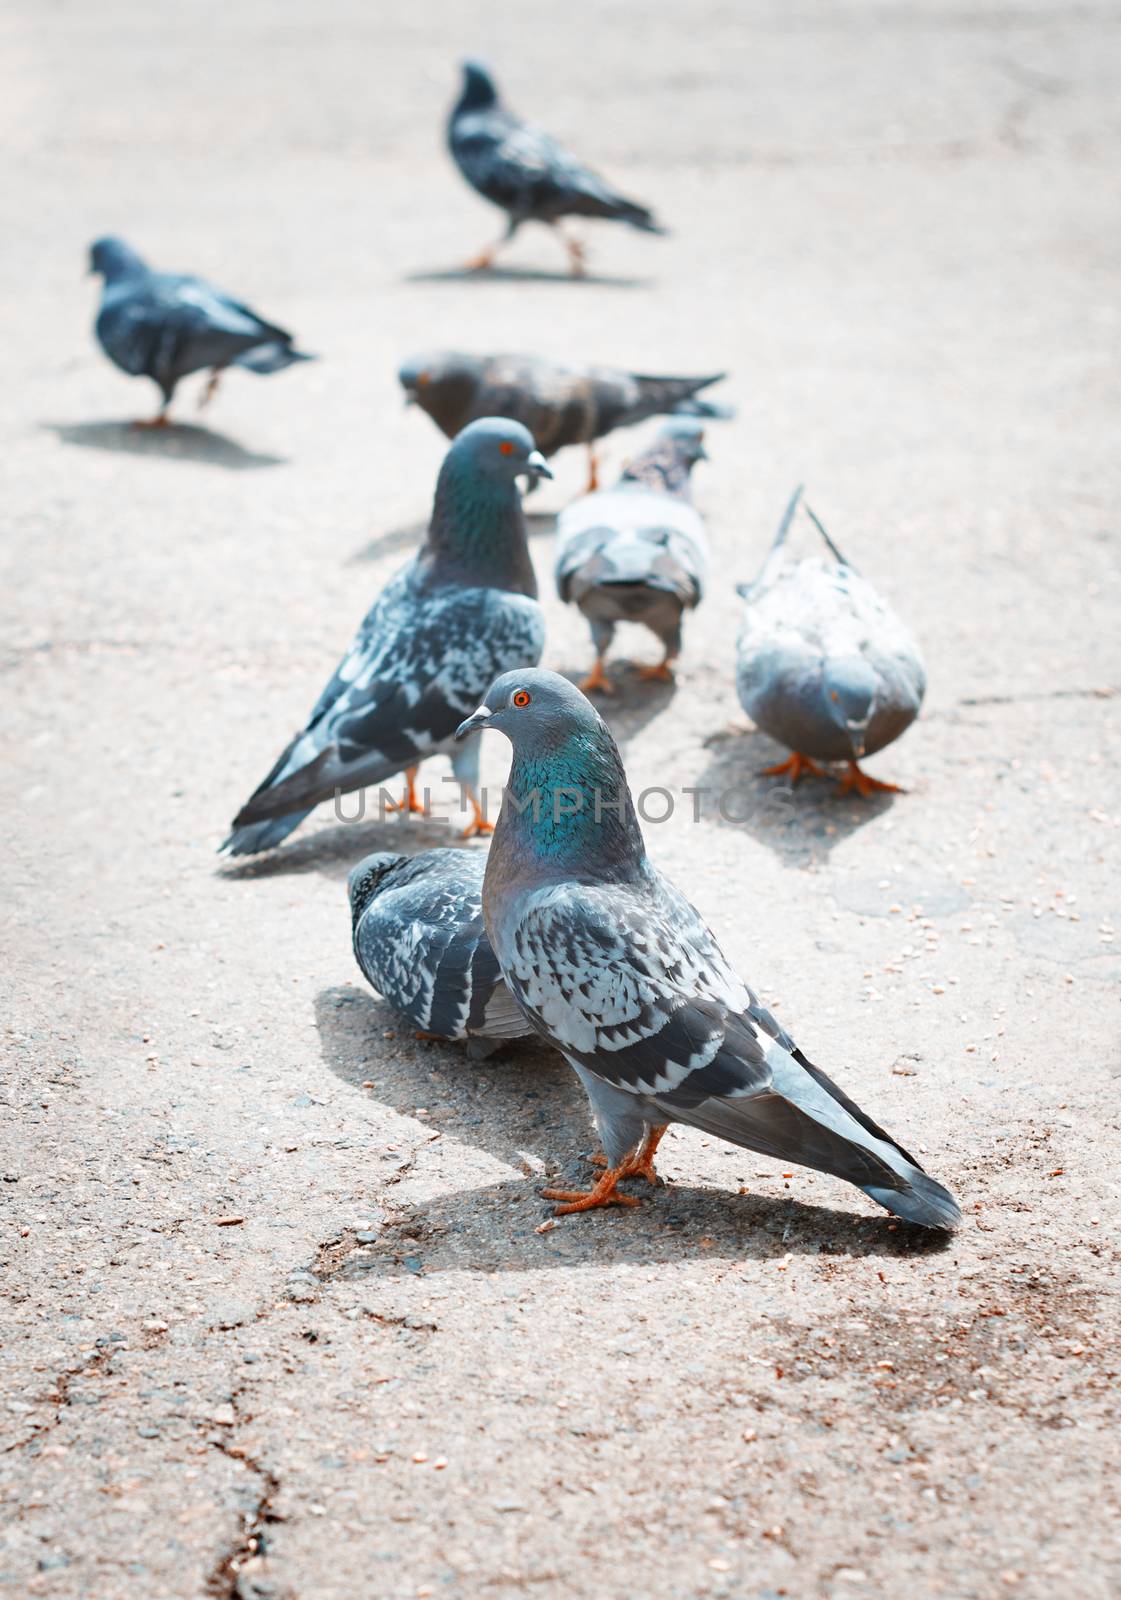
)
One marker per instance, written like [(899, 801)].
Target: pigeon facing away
[(525, 173), (614, 967), (164, 325), (420, 941), (823, 664), (463, 609), (559, 405), (637, 553)]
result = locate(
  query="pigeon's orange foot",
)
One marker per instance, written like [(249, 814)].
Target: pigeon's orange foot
[(797, 766), (162, 421), (410, 805), (604, 1194), (863, 784), (478, 824), (482, 261), (419, 1033), (597, 679), (593, 471), (662, 673), (641, 1164), (577, 257)]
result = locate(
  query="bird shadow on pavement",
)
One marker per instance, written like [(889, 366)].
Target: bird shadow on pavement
[(802, 823), (333, 851), (411, 536), (464, 275), (525, 1108), (180, 441)]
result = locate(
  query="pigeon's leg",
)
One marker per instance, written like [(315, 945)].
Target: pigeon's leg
[(597, 679), (663, 672), (797, 766), (593, 469), (485, 258), (576, 251), (604, 1194), (863, 784), (211, 387), (479, 823), (409, 804), (160, 420), (640, 1164)]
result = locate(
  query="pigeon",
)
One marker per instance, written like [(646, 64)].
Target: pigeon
[(637, 553), (420, 942), (525, 173), (164, 325), (462, 610), (559, 405), (613, 967), (823, 664)]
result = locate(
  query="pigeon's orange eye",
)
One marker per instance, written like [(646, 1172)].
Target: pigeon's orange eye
[(521, 697), (422, 380), (506, 447), (833, 695)]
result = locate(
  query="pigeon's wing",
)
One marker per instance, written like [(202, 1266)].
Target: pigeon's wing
[(559, 405), (628, 982), (525, 171), (168, 325), (422, 661)]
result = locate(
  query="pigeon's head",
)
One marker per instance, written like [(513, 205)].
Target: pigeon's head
[(536, 710), (112, 259), (443, 383), (495, 451), (848, 687), (367, 878), (479, 90)]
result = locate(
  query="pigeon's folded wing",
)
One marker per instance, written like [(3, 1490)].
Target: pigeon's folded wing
[(631, 985), (421, 663)]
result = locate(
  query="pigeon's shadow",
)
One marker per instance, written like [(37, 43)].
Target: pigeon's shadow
[(539, 524), (635, 702), (525, 1107), (333, 851), (464, 275), (800, 824), (180, 441)]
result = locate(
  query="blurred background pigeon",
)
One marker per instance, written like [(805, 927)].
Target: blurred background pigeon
[(638, 552), (560, 405), (525, 173), (420, 942), (823, 664), (165, 325), (462, 610), (613, 967)]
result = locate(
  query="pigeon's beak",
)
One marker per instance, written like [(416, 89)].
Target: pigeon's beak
[(477, 719), (537, 467), (858, 732)]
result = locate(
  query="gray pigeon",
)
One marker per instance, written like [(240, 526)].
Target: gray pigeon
[(420, 941), (463, 609), (525, 173), (637, 553), (823, 664), (614, 967), (559, 405), (164, 325)]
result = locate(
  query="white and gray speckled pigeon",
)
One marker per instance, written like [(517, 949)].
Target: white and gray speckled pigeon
[(420, 941), (560, 405), (614, 967), (462, 610), (638, 552), (823, 664), (527, 174), (164, 325)]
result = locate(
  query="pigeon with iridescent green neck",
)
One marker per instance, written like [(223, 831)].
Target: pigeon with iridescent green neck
[(463, 609), (613, 966)]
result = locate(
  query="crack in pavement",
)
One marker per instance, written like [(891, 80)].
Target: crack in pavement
[(96, 1366), (240, 1570)]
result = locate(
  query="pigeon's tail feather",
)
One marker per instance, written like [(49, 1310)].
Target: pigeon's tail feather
[(640, 217), (924, 1201), (710, 410), (257, 836), (270, 357), (802, 1118)]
